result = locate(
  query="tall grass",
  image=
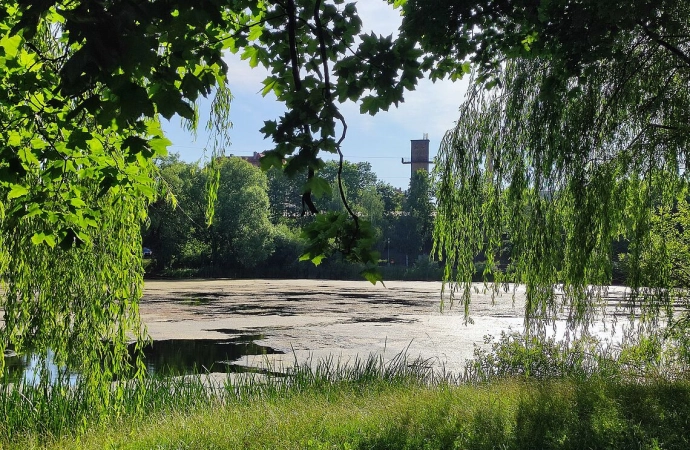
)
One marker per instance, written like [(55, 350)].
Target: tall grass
[(507, 414), (61, 410), (516, 394)]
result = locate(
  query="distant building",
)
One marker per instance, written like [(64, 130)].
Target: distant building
[(419, 155), (254, 160)]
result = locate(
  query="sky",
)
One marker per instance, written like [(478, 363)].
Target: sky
[(382, 140)]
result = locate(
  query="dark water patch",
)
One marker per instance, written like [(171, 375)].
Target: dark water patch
[(371, 298), (198, 294), (396, 302), (189, 356), (198, 301), (240, 368), (201, 299), (376, 298), (382, 320), (249, 310), (303, 298), (231, 331), (355, 295), (163, 357)]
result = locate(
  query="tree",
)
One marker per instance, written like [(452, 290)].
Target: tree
[(241, 233), (392, 197), (83, 87), (356, 179), (664, 261), (573, 35), (583, 136), (284, 195), (170, 224), (416, 223)]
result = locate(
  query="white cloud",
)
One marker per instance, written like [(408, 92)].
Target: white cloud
[(379, 17)]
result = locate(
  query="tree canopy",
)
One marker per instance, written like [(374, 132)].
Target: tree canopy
[(582, 139), (84, 84), (584, 135)]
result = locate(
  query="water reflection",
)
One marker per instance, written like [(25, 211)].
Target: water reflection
[(186, 356), (163, 357), (28, 368)]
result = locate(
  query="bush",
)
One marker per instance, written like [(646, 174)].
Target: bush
[(519, 354)]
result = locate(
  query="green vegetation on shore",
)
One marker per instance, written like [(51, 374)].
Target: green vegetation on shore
[(507, 414), (510, 397)]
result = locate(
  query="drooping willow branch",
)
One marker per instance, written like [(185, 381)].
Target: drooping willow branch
[(576, 171)]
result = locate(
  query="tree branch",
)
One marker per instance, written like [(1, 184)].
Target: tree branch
[(667, 45), (294, 62), (336, 112), (292, 27)]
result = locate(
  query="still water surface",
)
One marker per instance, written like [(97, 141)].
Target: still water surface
[(164, 357)]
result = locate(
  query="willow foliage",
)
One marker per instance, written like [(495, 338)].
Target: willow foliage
[(560, 166), (78, 138), (83, 85)]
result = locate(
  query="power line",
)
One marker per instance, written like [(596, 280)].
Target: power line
[(251, 153)]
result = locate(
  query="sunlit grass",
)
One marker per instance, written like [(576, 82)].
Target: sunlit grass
[(367, 404), (503, 414)]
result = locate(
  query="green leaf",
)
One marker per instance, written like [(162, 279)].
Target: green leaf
[(269, 128), (14, 138), (373, 275), (17, 191), (252, 54), (370, 104), (11, 45), (77, 202), (315, 259), (271, 159), (39, 238), (159, 145), (318, 186), (255, 32)]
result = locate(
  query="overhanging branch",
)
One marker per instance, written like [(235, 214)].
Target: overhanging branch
[(667, 45)]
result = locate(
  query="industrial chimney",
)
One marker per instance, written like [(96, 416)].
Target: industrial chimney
[(419, 154)]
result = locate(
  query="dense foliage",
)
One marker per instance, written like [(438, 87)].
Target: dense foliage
[(581, 142), (83, 86), (259, 213)]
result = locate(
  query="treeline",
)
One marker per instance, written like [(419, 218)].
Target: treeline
[(256, 227)]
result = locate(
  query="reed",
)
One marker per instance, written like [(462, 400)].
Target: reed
[(371, 403)]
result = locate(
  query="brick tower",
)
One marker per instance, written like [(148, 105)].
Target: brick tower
[(419, 154)]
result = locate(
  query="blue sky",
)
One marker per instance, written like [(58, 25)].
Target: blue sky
[(381, 140)]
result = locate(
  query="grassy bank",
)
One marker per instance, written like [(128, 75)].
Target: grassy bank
[(507, 414), (369, 405)]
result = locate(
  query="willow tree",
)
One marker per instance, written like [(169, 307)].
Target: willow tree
[(79, 131), (573, 135), (83, 85)]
